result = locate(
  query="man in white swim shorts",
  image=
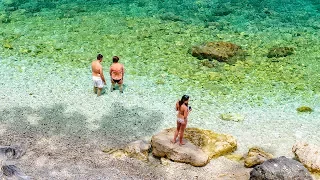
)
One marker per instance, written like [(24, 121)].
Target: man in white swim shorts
[(97, 75)]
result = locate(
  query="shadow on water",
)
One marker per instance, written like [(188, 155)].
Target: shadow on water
[(128, 124)]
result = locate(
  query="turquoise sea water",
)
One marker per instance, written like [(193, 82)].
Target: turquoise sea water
[(155, 37)]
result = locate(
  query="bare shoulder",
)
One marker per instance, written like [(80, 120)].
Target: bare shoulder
[(95, 62), (185, 107), (112, 65)]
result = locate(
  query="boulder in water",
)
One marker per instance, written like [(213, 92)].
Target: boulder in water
[(221, 51)]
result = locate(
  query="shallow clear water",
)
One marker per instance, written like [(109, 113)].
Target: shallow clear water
[(47, 48)]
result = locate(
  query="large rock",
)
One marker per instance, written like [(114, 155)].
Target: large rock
[(188, 153), (281, 168), (256, 156), (308, 155), (200, 147), (221, 51)]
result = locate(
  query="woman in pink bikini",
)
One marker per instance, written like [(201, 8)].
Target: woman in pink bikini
[(182, 118)]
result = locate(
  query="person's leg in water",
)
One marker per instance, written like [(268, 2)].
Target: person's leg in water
[(121, 86), (174, 140), (99, 92), (112, 86), (95, 89)]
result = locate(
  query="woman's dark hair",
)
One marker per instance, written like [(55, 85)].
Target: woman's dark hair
[(183, 99), (99, 57), (115, 58)]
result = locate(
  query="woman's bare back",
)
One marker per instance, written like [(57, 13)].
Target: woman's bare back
[(182, 111)]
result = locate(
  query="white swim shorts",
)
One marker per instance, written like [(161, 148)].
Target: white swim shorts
[(97, 82)]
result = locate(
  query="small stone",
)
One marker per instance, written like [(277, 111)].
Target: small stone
[(256, 156), (304, 109), (165, 161), (138, 149)]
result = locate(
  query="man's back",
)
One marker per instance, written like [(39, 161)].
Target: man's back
[(96, 68)]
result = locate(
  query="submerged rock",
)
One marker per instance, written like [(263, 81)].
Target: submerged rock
[(200, 147), (304, 109), (232, 117), (221, 51), (279, 52), (308, 155), (280, 168), (7, 45), (256, 156)]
